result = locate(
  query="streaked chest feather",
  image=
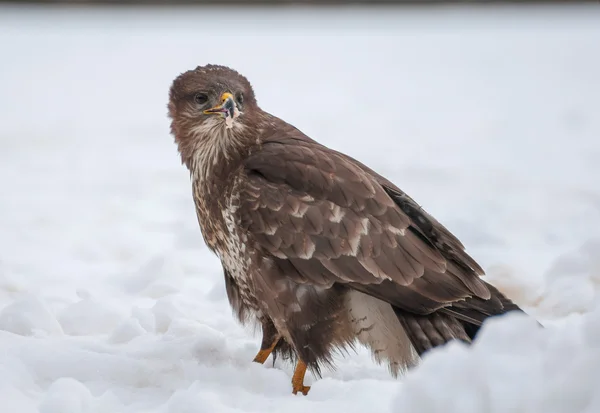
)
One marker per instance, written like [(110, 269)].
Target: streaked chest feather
[(236, 256), (216, 174), (213, 171), (220, 224)]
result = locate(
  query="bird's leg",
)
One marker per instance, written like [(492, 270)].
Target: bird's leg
[(265, 351), (298, 379), (269, 341)]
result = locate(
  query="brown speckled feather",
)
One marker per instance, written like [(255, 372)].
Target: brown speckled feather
[(329, 210)]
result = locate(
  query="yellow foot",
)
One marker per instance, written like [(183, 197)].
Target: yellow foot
[(264, 354), (298, 379), (303, 389)]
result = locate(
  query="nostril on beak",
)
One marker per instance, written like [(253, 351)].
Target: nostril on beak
[(229, 105)]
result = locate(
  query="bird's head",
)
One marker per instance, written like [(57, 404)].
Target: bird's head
[(208, 103)]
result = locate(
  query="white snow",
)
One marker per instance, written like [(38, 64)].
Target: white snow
[(515, 366), (110, 301)]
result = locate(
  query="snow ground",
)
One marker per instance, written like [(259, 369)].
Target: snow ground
[(109, 300)]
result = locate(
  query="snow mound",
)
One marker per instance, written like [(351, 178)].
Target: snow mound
[(126, 331), (88, 316), (29, 316), (66, 395), (514, 366)]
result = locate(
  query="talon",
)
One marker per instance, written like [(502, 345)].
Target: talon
[(303, 389)]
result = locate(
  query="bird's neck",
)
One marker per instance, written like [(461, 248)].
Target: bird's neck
[(212, 154)]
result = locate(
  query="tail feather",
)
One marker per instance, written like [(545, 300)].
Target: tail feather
[(428, 331), (461, 321), (473, 312)]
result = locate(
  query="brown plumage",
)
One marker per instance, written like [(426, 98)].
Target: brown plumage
[(315, 246)]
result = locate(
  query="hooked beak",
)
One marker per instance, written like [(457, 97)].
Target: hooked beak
[(227, 107)]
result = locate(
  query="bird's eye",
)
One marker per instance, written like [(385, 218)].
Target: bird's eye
[(201, 98), (240, 98)]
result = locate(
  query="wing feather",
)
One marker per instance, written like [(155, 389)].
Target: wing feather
[(337, 222)]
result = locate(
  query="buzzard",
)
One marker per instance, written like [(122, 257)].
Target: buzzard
[(318, 248)]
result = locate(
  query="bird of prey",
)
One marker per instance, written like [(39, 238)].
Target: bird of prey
[(318, 248)]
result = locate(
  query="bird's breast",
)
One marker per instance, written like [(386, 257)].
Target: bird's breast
[(220, 225)]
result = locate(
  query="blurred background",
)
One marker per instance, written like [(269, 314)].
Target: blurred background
[(485, 112)]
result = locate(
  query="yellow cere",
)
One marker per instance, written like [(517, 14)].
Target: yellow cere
[(225, 96)]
